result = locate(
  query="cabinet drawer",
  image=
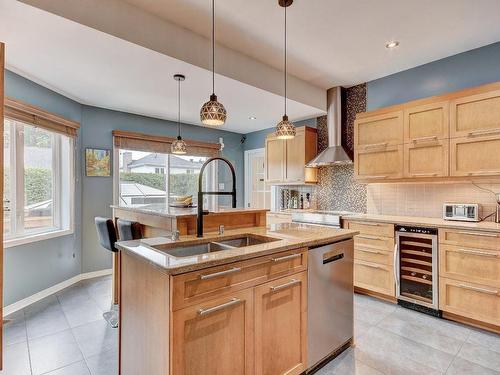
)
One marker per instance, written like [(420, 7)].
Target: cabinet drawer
[(470, 264), (375, 277), (196, 286), (475, 156), (375, 256), (369, 241), (372, 228), (470, 238), (386, 129), (474, 301), (380, 163)]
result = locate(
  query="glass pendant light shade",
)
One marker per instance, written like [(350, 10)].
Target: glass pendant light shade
[(212, 112), (285, 129), (179, 146)]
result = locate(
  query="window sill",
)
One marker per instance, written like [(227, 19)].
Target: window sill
[(36, 237)]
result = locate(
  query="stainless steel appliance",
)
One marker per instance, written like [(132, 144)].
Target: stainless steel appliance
[(462, 211), (330, 301), (416, 268)]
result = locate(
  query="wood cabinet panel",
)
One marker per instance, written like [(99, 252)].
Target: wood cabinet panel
[(197, 286), (372, 228), (475, 115), (375, 242), (469, 238), (426, 122), (215, 337), (470, 300), (295, 160), (375, 277), (382, 163), (367, 254), (475, 156), (470, 264), (275, 154), (280, 326), (383, 130), (423, 160)]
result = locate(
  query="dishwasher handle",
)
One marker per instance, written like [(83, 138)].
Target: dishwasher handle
[(333, 258)]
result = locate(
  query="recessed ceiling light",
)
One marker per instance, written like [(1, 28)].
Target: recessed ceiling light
[(252, 118), (392, 44)]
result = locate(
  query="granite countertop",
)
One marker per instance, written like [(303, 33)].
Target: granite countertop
[(425, 221), (164, 210), (289, 236)]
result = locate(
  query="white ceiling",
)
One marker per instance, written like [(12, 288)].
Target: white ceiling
[(339, 42), (98, 69)]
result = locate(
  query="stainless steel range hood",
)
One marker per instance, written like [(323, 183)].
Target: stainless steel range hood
[(334, 154)]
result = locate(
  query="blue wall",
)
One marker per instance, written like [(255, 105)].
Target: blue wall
[(257, 139), (33, 267), (39, 265), (467, 69)]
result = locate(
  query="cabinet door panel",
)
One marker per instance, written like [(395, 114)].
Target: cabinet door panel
[(475, 115), (280, 326), (215, 338), (375, 277), (295, 158), (475, 156), (275, 156), (426, 122), (383, 163), (386, 129), (427, 159)]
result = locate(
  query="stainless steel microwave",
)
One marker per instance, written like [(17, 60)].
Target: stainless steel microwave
[(462, 211)]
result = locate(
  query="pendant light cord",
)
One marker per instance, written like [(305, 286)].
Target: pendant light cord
[(213, 46), (285, 62), (179, 108)]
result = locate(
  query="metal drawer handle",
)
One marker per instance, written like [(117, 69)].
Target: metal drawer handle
[(480, 290), (425, 139), (370, 224), (385, 176), (234, 301), (221, 273), (376, 145), (477, 252), (424, 174), (371, 266), (369, 251), (484, 132), (479, 234), (284, 286), (367, 237), (286, 257)]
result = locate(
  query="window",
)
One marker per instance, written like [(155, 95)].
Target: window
[(38, 182), (143, 179)]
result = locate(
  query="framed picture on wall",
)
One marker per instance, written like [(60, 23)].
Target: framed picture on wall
[(97, 162)]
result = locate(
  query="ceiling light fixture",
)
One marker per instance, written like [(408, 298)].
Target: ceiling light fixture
[(178, 146), (252, 118), (213, 112), (285, 129), (392, 44)]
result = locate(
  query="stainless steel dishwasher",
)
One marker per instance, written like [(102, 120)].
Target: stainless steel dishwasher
[(330, 301)]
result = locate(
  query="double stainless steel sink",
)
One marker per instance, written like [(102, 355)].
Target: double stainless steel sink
[(187, 250)]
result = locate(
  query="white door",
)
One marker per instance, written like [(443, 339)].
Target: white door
[(257, 193)]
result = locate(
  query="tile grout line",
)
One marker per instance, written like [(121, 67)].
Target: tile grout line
[(27, 341), (458, 352)]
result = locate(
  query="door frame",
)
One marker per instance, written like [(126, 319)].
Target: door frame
[(246, 166)]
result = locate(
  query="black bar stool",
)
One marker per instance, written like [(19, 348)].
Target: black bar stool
[(129, 230), (107, 237)]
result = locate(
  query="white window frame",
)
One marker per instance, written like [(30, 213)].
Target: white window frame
[(212, 169), (61, 227)]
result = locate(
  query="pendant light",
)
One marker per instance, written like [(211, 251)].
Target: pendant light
[(179, 146), (213, 112), (285, 129)]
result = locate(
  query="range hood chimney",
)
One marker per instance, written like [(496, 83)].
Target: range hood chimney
[(334, 154)]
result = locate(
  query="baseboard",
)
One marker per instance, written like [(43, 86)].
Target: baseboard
[(19, 305)]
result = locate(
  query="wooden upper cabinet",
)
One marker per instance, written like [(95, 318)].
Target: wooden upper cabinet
[(475, 156), (286, 159), (426, 123), (215, 337), (280, 326), (475, 115), (275, 155), (379, 131), (424, 160), (385, 162)]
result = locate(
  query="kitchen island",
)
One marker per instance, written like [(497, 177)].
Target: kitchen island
[(231, 304)]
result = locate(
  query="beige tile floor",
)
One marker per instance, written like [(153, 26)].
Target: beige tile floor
[(66, 335)]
